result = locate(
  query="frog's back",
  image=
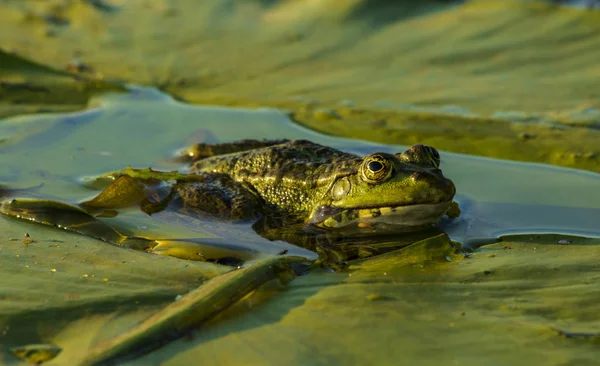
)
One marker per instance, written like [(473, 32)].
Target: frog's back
[(287, 174)]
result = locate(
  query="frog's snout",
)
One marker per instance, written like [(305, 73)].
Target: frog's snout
[(441, 189), (421, 176), (432, 177)]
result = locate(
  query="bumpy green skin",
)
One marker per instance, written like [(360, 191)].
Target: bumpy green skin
[(304, 181)]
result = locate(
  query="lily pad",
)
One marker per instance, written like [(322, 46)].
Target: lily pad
[(72, 218), (29, 87), (193, 309), (61, 278), (397, 305), (388, 309)]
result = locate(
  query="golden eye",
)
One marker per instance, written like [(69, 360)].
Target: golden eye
[(376, 168)]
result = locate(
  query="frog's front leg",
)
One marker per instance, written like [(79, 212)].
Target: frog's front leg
[(220, 195)]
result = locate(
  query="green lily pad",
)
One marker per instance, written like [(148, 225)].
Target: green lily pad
[(60, 278), (72, 218), (29, 87), (388, 309), (193, 309)]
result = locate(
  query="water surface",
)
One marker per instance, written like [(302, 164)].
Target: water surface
[(145, 128)]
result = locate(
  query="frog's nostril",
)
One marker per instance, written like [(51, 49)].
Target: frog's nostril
[(429, 177), (418, 176)]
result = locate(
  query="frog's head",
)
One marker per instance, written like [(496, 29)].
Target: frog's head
[(405, 190)]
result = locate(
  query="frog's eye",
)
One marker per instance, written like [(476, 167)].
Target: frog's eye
[(376, 168), (434, 156)]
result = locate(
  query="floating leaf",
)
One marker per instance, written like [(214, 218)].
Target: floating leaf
[(144, 175), (123, 192), (61, 215), (399, 305), (70, 218), (193, 309), (26, 86), (203, 250)]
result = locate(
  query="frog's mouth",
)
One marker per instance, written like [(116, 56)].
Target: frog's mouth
[(400, 217)]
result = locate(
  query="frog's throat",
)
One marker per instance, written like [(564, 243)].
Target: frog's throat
[(403, 216)]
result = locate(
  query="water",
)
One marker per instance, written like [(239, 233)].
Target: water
[(144, 128)]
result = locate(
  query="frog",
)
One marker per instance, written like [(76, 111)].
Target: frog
[(299, 181), (292, 190)]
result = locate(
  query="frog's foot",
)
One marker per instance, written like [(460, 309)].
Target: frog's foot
[(202, 151), (220, 195)]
